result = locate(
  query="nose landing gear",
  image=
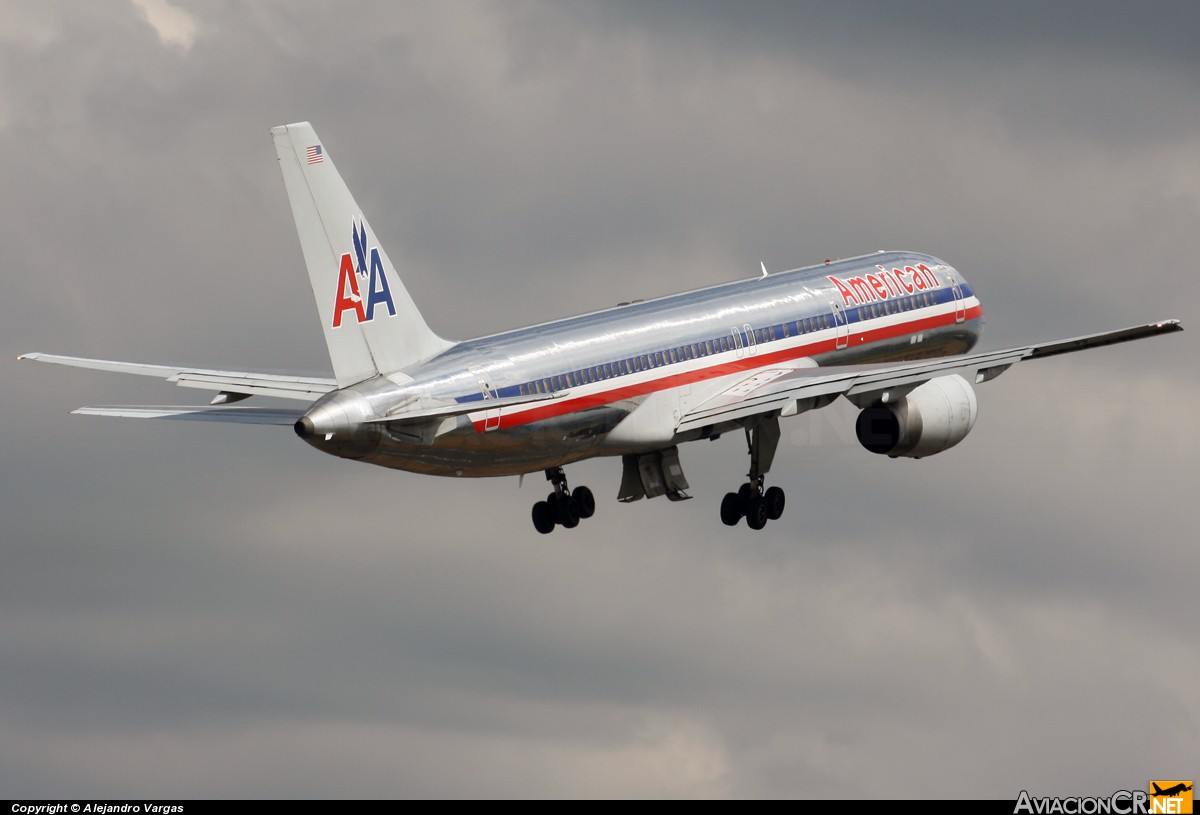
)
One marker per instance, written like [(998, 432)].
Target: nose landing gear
[(562, 507)]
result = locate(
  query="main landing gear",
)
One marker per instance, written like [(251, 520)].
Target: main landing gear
[(562, 507), (752, 502)]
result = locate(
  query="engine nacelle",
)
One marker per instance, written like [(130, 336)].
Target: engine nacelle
[(934, 417)]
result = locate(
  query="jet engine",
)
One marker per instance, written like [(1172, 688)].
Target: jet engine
[(932, 418)]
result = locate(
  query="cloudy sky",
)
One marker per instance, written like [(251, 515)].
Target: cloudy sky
[(223, 611)]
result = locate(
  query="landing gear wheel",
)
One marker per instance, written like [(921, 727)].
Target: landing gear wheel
[(562, 507), (568, 512), (731, 509), (586, 501), (775, 500), (543, 518), (756, 516), (746, 493)]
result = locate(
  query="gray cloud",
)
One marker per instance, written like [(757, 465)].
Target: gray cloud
[(201, 611)]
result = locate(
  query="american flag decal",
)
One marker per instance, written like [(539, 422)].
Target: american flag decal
[(315, 155)]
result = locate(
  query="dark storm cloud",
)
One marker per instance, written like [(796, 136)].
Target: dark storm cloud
[(206, 610)]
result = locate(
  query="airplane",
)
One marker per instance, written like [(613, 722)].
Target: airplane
[(892, 332), (1169, 792)]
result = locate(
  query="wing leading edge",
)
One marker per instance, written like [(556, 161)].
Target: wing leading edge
[(795, 390)]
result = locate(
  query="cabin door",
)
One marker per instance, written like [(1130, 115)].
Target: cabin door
[(841, 325), (491, 415), (960, 307)]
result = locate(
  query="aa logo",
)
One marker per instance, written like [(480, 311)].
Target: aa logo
[(368, 268), (1171, 797)]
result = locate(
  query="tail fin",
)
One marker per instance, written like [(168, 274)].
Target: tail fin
[(371, 323)]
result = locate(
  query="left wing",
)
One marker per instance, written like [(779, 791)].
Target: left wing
[(237, 415), (232, 385), (793, 390)]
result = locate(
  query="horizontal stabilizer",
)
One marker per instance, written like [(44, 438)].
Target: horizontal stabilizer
[(302, 388), (236, 415)]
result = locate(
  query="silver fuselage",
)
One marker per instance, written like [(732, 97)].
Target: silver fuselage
[(587, 374)]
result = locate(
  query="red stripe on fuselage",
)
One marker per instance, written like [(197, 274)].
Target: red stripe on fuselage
[(762, 360)]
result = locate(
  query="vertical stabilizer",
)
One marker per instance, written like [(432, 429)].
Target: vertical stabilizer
[(371, 323)]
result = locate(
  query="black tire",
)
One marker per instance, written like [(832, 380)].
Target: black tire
[(756, 518), (775, 500), (587, 502), (543, 518), (746, 493), (731, 509), (568, 512)]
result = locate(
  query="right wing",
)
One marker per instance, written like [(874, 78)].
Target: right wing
[(797, 389), (235, 385)]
